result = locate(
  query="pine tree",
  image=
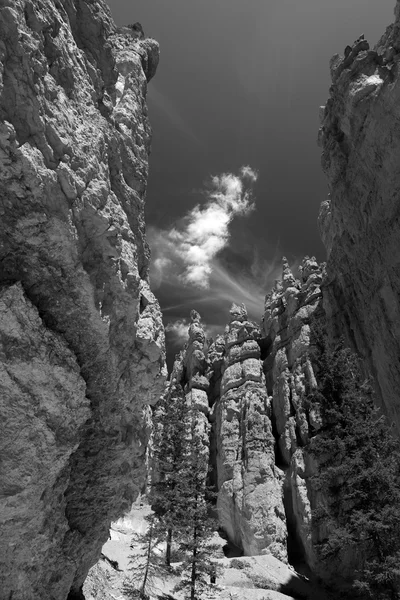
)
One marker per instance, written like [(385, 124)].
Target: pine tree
[(145, 564), (180, 496), (359, 471), (170, 430), (196, 524)]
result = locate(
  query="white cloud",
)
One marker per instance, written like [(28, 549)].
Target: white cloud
[(249, 172), (190, 248), (178, 330)]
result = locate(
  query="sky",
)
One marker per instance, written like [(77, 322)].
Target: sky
[(235, 179)]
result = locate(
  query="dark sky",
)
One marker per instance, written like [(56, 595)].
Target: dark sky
[(239, 83)]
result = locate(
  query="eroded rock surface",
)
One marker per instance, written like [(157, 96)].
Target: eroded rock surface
[(81, 337), (188, 378), (359, 222), (250, 486), (289, 310)]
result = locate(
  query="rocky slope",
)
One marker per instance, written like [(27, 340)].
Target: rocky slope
[(360, 220), (82, 343)]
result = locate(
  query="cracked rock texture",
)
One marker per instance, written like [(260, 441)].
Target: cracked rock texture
[(188, 381), (224, 382), (360, 220), (82, 341), (250, 486), (287, 342), (251, 383)]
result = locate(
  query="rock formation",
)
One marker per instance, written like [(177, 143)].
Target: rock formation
[(252, 383), (262, 427), (250, 486), (82, 342), (359, 221), (289, 308), (188, 376), (81, 337), (226, 385)]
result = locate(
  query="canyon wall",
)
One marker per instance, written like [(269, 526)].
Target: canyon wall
[(250, 498), (82, 342), (360, 220), (260, 388), (224, 382), (251, 384), (287, 346)]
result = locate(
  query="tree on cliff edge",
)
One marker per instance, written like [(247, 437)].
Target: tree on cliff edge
[(359, 473)]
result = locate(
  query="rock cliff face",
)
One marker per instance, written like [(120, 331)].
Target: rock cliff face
[(252, 384), (360, 220), (250, 486), (286, 336), (188, 376), (82, 343)]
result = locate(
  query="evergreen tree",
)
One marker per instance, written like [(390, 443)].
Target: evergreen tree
[(196, 523), (180, 496), (144, 562), (169, 441), (359, 473)]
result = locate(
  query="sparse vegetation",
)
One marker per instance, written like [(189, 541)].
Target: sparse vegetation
[(169, 455), (196, 525), (145, 563), (180, 499)]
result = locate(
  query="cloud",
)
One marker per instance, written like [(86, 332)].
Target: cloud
[(190, 248), (178, 331), (249, 172), (203, 262)]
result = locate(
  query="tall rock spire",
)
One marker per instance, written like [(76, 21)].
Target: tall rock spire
[(250, 492)]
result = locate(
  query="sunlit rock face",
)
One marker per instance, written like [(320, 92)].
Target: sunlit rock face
[(250, 485), (287, 341), (188, 377), (224, 384), (82, 343), (251, 383), (360, 220)]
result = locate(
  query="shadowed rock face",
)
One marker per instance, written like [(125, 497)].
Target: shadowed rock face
[(360, 221), (82, 343)]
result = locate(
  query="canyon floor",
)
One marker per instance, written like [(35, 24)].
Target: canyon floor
[(260, 577)]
